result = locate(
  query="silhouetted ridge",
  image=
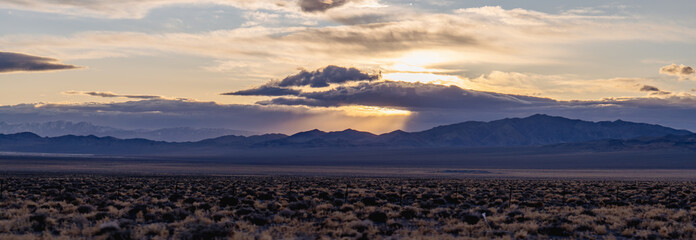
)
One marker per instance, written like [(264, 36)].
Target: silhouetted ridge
[(534, 130), (537, 129)]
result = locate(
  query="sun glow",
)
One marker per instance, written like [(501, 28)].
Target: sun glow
[(423, 58), (367, 111), (425, 78), (417, 67), (363, 118)]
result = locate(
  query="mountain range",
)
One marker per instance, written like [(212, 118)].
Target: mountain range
[(61, 128), (534, 131)]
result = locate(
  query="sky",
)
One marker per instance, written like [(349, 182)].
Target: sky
[(372, 65)]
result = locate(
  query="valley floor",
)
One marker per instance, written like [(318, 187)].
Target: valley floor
[(165, 167)]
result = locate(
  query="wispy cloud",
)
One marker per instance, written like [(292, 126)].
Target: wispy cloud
[(320, 5), (654, 90), (410, 96), (162, 113), (112, 95), (132, 8), (477, 35), (265, 90), (135, 9), (648, 88), (19, 62)]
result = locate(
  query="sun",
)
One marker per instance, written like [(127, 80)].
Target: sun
[(418, 66), (423, 58)]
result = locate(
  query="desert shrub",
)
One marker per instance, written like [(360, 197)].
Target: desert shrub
[(554, 230), (300, 205), (175, 197), (470, 219), (228, 201), (199, 231), (85, 209), (190, 200), (257, 219), (408, 212), (378, 217), (39, 222), (265, 196), (133, 211), (243, 211), (370, 201)]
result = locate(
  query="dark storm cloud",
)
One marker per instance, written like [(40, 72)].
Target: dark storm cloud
[(18, 62), (410, 96), (320, 5), (322, 77), (265, 90), (162, 113), (672, 111), (648, 88), (434, 104), (112, 95), (676, 113), (325, 76)]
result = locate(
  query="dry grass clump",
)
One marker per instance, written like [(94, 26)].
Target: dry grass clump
[(138, 207)]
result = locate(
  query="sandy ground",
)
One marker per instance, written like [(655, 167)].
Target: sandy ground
[(173, 167)]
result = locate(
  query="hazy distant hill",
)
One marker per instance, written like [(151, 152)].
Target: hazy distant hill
[(60, 128), (675, 142), (535, 130)]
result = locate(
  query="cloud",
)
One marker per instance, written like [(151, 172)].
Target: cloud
[(112, 95), (409, 96), (478, 35), (556, 86), (320, 5), (654, 91), (164, 113), (18, 62), (673, 111), (433, 104), (325, 76), (265, 90), (131, 8), (681, 71), (322, 77), (648, 88)]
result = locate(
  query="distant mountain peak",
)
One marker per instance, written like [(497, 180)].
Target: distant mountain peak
[(546, 116), (540, 115), (353, 131), (310, 132), (23, 135), (173, 134), (398, 131)]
